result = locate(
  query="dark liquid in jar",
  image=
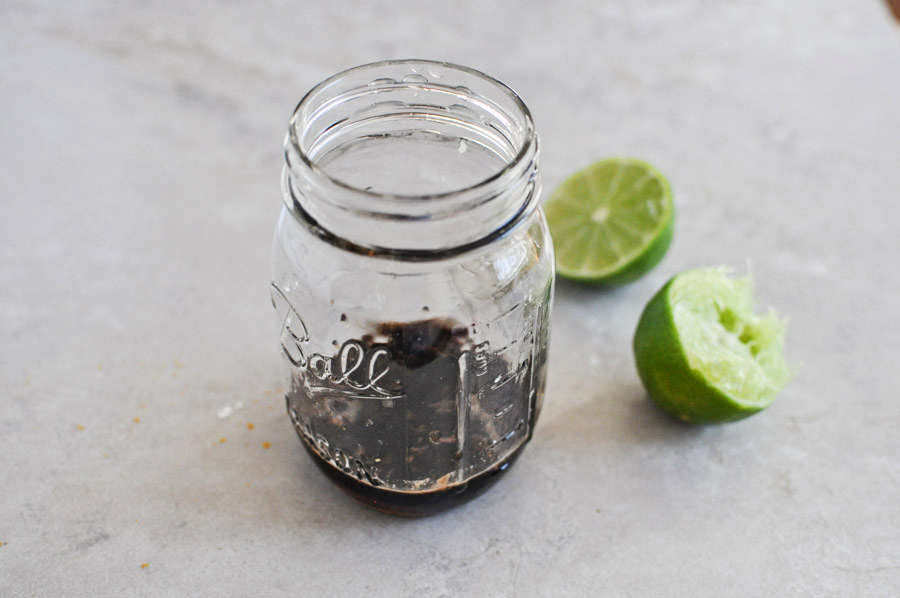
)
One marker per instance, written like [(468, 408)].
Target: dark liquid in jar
[(440, 408), (412, 504)]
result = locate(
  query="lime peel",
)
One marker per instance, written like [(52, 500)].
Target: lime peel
[(702, 352)]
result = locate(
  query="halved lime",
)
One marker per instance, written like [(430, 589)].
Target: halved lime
[(702, 353), (611, 222)]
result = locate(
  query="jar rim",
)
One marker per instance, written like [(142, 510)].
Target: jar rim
[(529, 138)]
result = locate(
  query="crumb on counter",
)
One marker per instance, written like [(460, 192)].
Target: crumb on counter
[(80, 428), (250, 426), (223, 440), (137, 420), (267, 445), (144, 565)]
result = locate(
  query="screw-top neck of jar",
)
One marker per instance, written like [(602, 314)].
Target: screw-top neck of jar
[(431, 207)]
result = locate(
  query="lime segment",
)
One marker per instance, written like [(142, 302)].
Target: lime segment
[(702, 353), (611, 222)]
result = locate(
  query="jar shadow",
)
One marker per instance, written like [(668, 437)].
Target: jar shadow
[(618, 413), (595, 395), (338, 509)]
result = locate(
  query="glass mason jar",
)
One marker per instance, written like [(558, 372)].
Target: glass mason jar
[(412, 281)]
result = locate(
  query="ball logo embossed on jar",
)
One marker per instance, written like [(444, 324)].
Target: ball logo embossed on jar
[(293, 331), (355, 369)]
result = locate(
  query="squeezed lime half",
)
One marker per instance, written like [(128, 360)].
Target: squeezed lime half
[(702, 352), (611, 222)]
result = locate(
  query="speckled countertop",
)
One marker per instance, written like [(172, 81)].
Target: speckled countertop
[(140, 148)]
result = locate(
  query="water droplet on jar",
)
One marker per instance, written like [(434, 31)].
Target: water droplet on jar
[(369, 422), (462, 146), (374, 107), (382, 81), (434, 436), (463, 111), (415, 78), (464, 89)]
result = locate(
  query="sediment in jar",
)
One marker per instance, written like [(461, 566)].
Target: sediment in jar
[(415, 406)]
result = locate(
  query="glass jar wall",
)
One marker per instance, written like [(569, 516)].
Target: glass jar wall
[(412, 281)]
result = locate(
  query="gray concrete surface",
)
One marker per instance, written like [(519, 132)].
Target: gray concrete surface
[(140, 148)]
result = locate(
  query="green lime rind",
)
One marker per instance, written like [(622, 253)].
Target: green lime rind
[(702, 353), (629, 240)]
